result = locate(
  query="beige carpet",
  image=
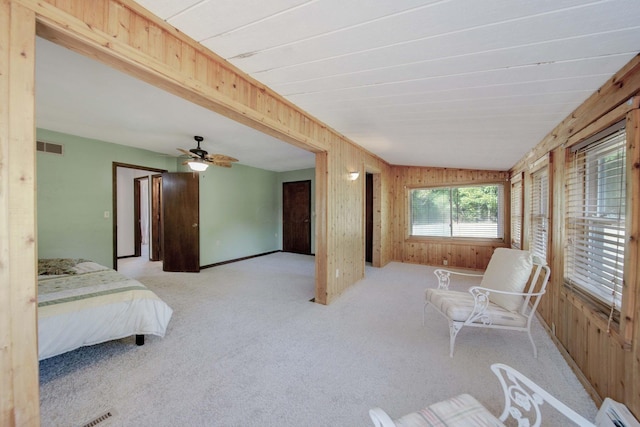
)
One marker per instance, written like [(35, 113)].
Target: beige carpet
[(245, 347)]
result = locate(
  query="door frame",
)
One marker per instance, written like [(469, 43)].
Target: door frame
[(114, 201), (155, 226), (137, 216), (376, 237)]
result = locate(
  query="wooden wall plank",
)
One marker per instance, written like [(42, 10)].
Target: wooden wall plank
[(631, 307), (19, 401), (459, 253)]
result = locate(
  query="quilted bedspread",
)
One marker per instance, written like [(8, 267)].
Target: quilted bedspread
[(94, 305)]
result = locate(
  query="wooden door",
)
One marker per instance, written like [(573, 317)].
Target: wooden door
[(180, 222), (296, 217), (155, 249), (137, 216)]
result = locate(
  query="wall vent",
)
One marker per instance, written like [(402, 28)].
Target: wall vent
[(101, 419), (50, 147)]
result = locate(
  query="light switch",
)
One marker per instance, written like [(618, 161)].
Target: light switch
[(107, 214)]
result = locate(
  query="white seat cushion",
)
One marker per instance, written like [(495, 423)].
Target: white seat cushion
[(508, 270), (457, 306), (460, 411)]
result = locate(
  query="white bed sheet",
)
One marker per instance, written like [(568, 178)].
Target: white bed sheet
[(95, 305)]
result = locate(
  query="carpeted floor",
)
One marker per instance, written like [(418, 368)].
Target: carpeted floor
[(245, 347)]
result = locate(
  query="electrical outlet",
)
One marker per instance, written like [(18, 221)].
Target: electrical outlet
[(337, 273), (445, 262)]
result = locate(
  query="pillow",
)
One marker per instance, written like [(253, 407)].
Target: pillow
[(508, 270), (57, 266)]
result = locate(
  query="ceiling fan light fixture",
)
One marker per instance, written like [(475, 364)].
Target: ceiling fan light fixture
[(197, 165)]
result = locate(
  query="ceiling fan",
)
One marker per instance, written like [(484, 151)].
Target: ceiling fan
[(200, 159)]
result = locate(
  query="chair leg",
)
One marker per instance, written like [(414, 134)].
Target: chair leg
[(454, 328), (424, 313), (533, 344)]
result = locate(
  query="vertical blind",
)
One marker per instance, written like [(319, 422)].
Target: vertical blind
[(539, 229), (596, 217), (516, 214)]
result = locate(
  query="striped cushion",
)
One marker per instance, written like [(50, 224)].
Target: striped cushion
[(460, 411), (457, 306)]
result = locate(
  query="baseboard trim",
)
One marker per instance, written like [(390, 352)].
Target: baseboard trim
[(202, 267), (129, 256)]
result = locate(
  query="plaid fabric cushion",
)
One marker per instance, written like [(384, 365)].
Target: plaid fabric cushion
[(459, 411), (457, 306)]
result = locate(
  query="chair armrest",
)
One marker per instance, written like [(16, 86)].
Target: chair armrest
[(523, 399), (444, 277), (496, 291), (380, 418)]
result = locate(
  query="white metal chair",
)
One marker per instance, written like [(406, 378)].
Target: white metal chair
[(523, 400), (500, 302)]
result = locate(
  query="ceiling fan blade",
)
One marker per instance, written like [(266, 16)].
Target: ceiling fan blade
[(220, 158), (188, 153)]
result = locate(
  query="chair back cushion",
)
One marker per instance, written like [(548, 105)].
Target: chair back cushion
[(508, 270)]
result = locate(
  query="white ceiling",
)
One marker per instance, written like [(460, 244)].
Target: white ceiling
[(451, 83)]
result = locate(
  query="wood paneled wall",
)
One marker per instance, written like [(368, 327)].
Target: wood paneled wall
[(607, 362), (19, 402), (125, 36), (431, 251)]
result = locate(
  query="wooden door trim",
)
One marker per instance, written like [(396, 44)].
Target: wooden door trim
[(155, 238), (137, 218)]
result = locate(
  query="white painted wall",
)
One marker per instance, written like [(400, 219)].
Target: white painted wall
[(126, 238)]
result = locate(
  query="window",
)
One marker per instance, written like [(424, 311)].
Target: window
[(595, 214), (472, 211), (539, 228), (516, 212)]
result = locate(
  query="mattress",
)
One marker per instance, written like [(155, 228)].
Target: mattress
[(93, 305)]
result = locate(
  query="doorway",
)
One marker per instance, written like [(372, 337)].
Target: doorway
[(141, 216), (129, 208), (296, 217), (368, 248)]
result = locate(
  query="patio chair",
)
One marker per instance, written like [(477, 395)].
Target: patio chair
[(500, 302), (523, 400)]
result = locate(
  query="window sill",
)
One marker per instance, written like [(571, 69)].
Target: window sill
[(456, 240)]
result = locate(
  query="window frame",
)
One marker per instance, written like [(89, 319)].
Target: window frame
[(517, 211), (503, 188), (589, 192), (540, 212)]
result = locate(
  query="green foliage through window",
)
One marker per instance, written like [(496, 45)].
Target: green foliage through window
[(473, 211)]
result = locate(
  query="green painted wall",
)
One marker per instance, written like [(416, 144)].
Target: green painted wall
[(292, 176), (238, 213), (75, 190), (239, 207)]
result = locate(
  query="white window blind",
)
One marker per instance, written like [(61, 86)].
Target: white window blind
[(595, 212), (539, 228), (470, 211), (516, 214)]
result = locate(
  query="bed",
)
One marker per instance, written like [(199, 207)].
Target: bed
[(83, 303)]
